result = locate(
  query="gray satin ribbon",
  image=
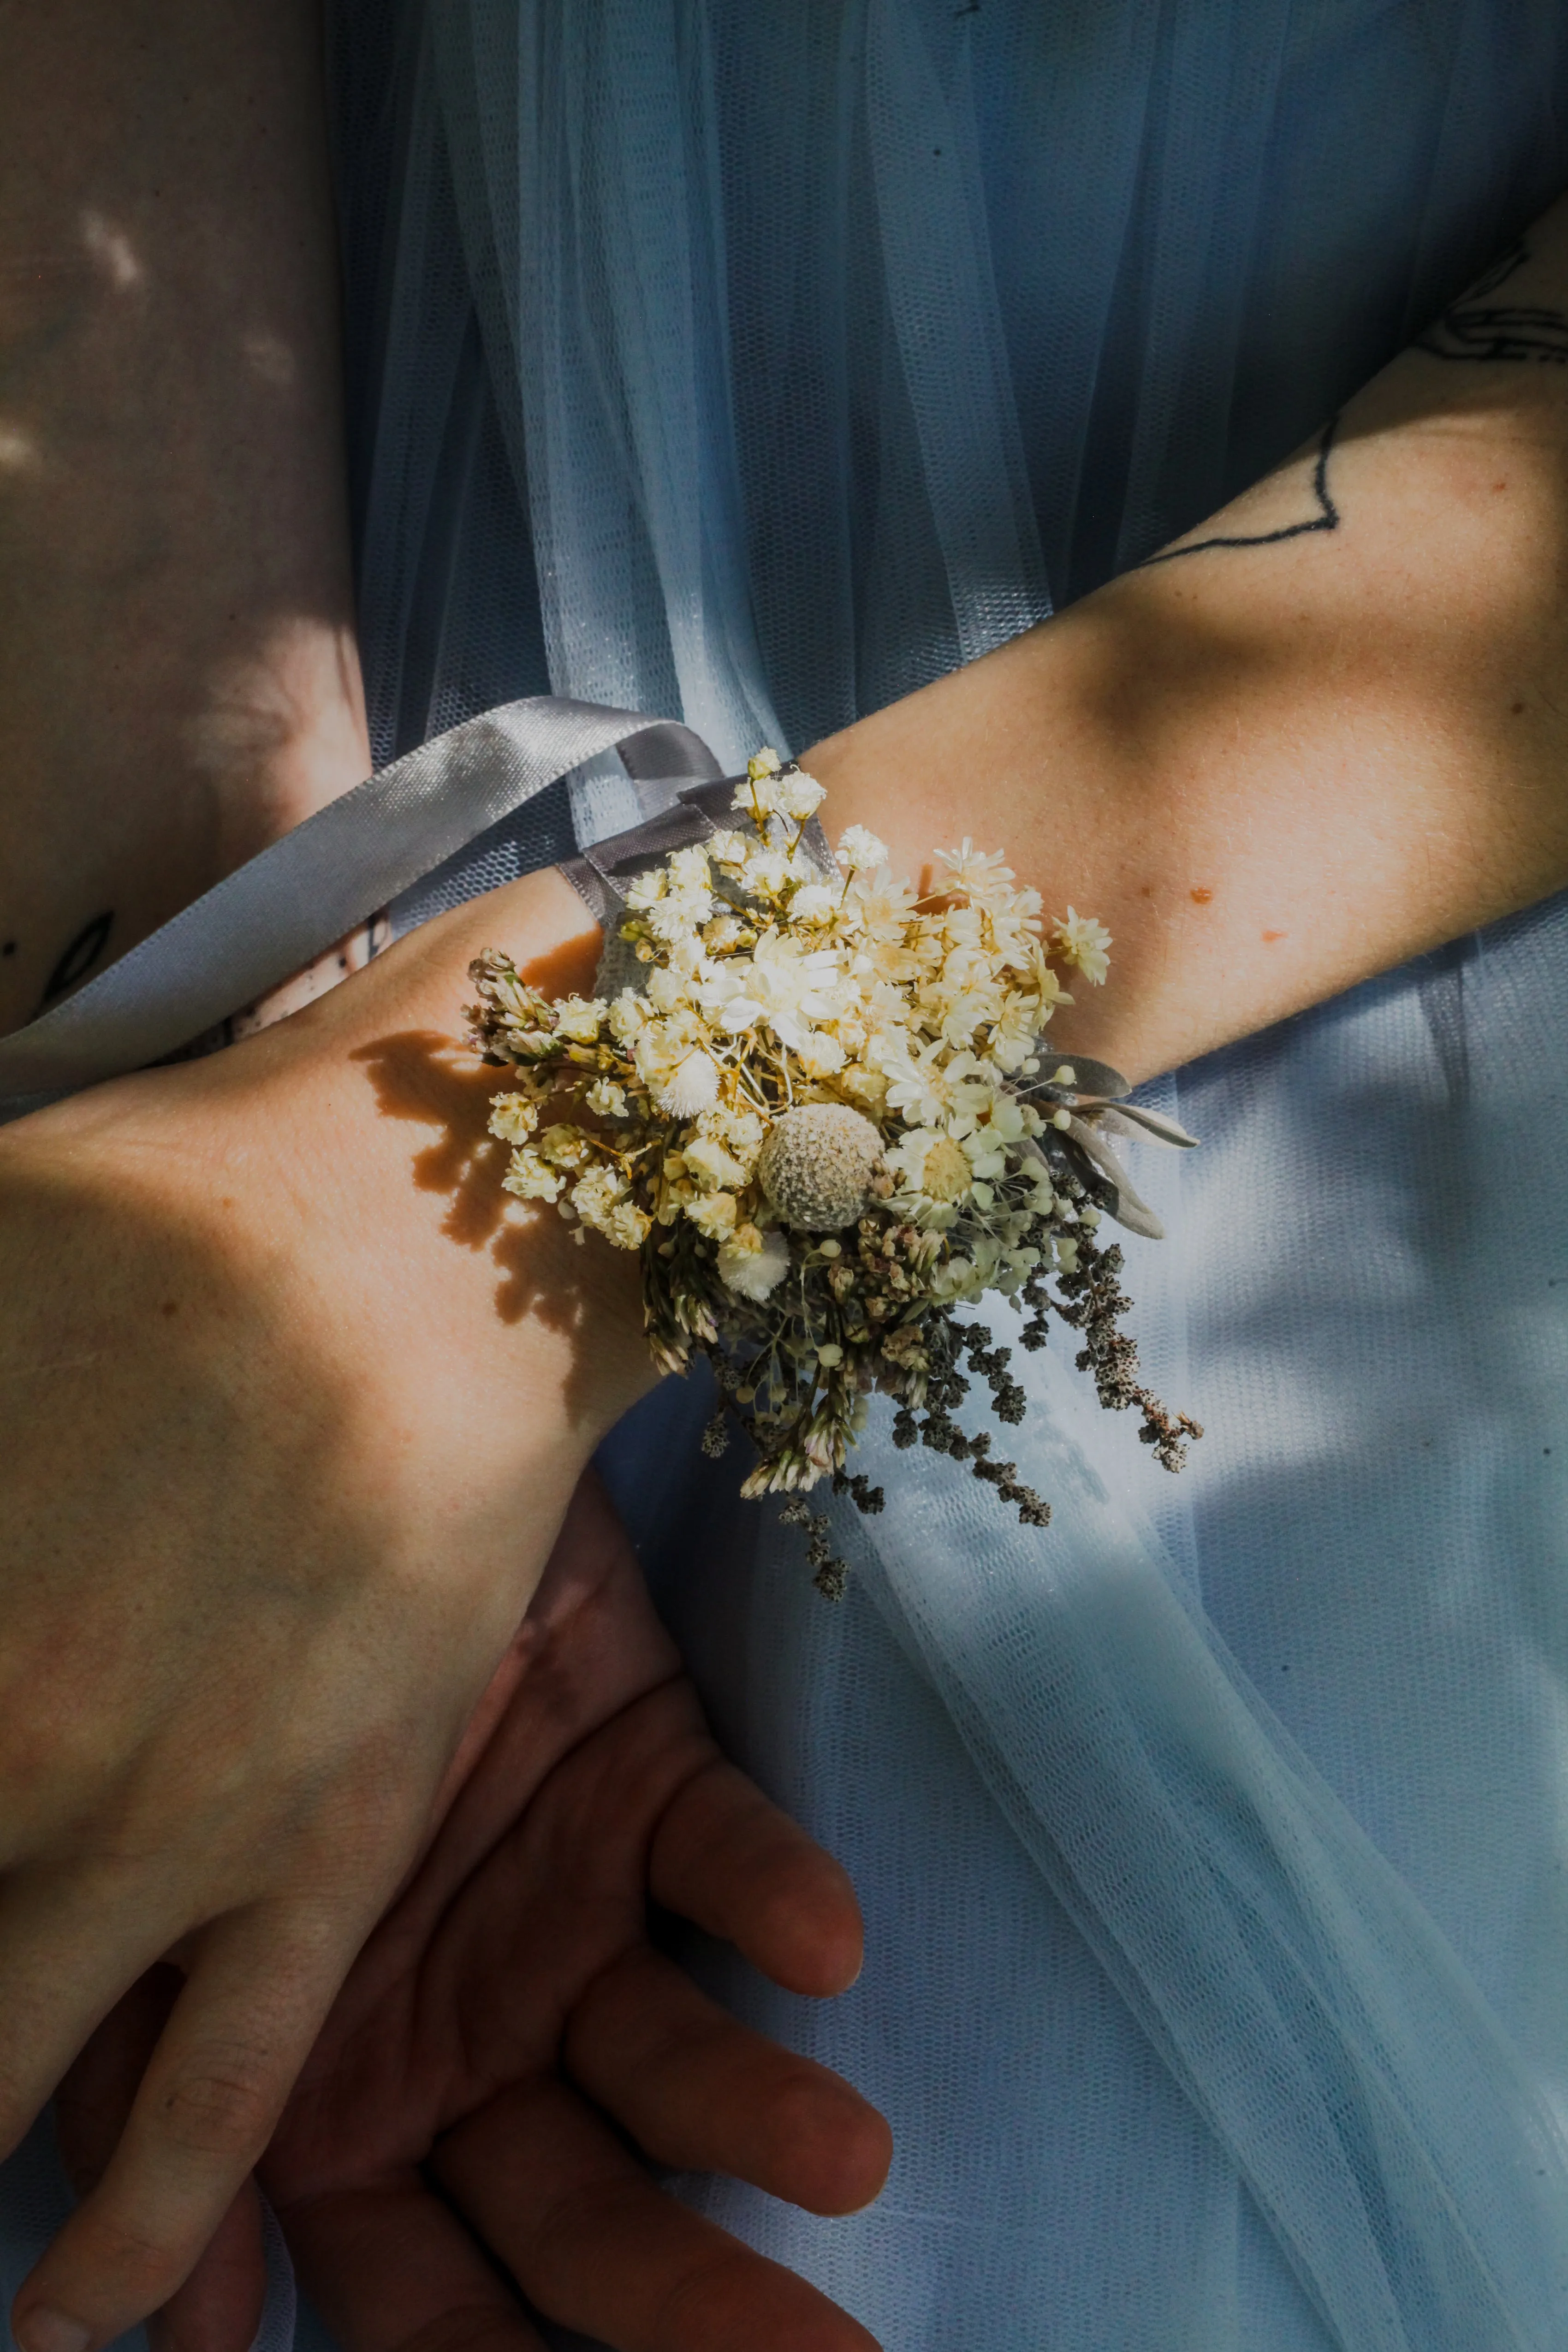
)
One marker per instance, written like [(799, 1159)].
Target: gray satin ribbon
[(274, 916)]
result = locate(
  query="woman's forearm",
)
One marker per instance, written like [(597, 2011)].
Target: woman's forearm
[(1320, 734), (178, 681)]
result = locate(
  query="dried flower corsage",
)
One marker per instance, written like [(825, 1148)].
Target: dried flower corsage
[(820, 1114)]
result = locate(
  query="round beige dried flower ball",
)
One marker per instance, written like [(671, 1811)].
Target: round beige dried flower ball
[(817, 1164)]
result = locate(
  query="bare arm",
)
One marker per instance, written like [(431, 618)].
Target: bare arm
[(178, 680), (1322, 733)]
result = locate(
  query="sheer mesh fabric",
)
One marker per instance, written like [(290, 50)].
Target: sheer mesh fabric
[(758, 365)]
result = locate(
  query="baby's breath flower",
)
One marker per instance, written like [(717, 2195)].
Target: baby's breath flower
[(564, 1146), (628, 1015), (512, 1118), (1078, 939), (860, 850), (798, 795), (596, 1193), (531, 1179), (711, 1164), (814, 902), (605, 1098), (626, 1227), (713, 1214)]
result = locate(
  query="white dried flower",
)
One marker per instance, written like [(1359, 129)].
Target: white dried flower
[(817, 1164), (753, 1264), (814, 902), (711, 1164), (564, 1146), (628, 1015), (531, 1179), (1078, 939), (931, 1161), (798, 795), (512, 1119), (596, 1193), (626, 1227), (691, 1086), (713, 1214), (580, 1017), (860, 849), (606, 1098)]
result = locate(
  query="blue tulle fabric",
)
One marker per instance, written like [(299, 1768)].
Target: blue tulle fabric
[(757, 363)]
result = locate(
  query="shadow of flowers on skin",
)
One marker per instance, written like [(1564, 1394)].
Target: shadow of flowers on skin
[(424, 1077)]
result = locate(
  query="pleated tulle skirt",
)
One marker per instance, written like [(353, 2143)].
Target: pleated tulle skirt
[(756, 363)]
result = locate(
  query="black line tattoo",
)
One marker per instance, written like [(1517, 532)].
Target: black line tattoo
[(79, 958), (1324, 516), (1476, 329)]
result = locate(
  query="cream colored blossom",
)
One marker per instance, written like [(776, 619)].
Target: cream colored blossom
[(531, 1179), (798, 795), (690, 1085), (564, 1146), (606, 1098), (712, 1165), (1080, 940), (626, 1227), (713, 1213), (628, 1015), (753, 1264), (596, 1193), (860, 849), (512, 1118), (580, 1017), (814, 902)]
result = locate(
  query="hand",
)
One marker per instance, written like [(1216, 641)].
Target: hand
[(510, 1993), (293, 1414)]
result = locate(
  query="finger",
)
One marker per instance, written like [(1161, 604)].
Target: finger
[(390, 2266), (698, 2091), (100, 2088), (219, 2309), (727, 1859), (595, 2245), (70, 1944), (260, 1984)]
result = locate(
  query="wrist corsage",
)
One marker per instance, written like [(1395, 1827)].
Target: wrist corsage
[(817, 1107)]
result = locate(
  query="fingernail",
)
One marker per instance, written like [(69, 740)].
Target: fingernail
[(43, 2329)]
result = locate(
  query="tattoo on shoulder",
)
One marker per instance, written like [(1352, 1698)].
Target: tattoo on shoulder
[(1322, 513), (1477, 328), (78, 959)]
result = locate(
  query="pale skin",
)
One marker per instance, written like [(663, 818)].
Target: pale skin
[(1272, 769)]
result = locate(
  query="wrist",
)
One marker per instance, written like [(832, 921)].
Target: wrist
[(350, 1142)]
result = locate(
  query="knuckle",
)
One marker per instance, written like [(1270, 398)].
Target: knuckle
[(221, 2104), (134, 2269)]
